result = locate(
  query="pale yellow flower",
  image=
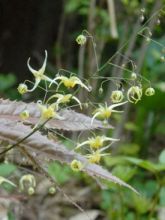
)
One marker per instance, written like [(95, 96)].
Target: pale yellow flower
[(81, 39), (76, 165), (64, 99), (70, 82), (104, 112), (150, 91), (95, 157), (117, 96), (39, 74), (28, 179), (96, 142), (134, 94)]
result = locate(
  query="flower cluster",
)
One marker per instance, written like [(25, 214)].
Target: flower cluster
[(50, 109), (96, 147)]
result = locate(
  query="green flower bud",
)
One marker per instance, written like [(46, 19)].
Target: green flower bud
[(24, 115), (117, 96), (31, 191), (81, 39), (101, 90), (133, 76), (150, 91), (52, 190), (22, 88)]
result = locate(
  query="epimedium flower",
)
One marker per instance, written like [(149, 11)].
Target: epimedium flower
[(29, 181), (81, 39), (39, 74), (22, 88), (150, 91), (95, 156), (70, 82), (64, 99), (117, 96), (76, 165), (96, 142), (52, 190), (48, 111), (104, 112), (134, 94)]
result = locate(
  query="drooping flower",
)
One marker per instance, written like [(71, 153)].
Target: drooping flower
[(27, 180), (150, 91), (95, 157), (76, 165), (96, 142), (22, 88), (81, 39), (64, 99), (70, 82), (117, 96), (134, 94), (48, 111), (104, 112)]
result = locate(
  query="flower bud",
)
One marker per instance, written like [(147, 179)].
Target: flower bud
[(81, 39), (31, 191), (133, 76), (76, 165), (148, 39), (24, 115), (117, 96), (52, 190), (101, 90), (22, 88), (86, 105), (142, 18), (150, 91), (162, 58)]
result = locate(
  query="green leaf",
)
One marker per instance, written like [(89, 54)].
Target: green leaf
[(61, 173), (141, 203), (130, 149), (7, 81), (162, 157), (124, 172), (6, 169), (146, 164), (162, 196)]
